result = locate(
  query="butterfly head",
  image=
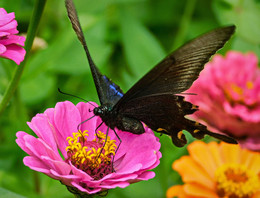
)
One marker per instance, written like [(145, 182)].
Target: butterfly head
[(102, 110)]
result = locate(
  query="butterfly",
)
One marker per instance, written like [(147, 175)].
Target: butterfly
[(154, 99)]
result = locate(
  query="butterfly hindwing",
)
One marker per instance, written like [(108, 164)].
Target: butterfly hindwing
[(165, 113)]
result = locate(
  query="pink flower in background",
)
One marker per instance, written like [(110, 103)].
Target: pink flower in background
[(86, 164), (10, 44), (228, 96)]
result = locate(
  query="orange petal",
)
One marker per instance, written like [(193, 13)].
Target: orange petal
[(176, 191), (192, 172), (251, 160), (214, 149), (256, 195), (196, 190), (231, 153), (247, 157), (200, 152), (255, 163)]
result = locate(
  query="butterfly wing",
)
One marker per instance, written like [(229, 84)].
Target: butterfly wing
[(108, 92), (111, 92), (165, 113), (152, 99), (179, 70)]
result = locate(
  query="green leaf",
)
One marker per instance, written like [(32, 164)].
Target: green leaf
[(70, 57), (8, 194), (244, 14), (141, 48), (37, 88), (242, 45)]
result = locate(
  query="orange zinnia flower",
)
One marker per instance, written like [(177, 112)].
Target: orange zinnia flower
[(217, 171)]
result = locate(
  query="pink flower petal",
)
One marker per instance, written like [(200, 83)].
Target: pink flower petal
[(21, 141), (37, 165), (86, 190), (39, 148), (40, 125), (86, 112), (146, 175), (228, 96), (66, 119), (8, 39), (2, 11), (14, 52), (136, 155), (2, 48), (13, 39), (10, 27), (6, 18)]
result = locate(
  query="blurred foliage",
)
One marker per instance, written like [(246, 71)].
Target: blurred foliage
[(126, 38)]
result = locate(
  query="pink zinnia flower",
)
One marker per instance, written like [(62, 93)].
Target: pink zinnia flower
[(10, 44), (228, 96), (86, 163)]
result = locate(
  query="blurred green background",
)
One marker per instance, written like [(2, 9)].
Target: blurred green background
[(126, 38)]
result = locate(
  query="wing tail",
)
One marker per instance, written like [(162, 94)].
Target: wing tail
[(198, 131)]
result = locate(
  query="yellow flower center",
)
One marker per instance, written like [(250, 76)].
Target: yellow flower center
[(95, 156), (236, 94), (249, 85), (236, 181)]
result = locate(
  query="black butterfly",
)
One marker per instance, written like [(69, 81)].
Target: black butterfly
[(153, 98)]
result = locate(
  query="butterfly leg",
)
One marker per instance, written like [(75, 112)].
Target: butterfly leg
[(120, 141), (105, 139), (97, 129)]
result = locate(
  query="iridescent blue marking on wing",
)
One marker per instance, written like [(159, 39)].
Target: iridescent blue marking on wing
[(113, 93)]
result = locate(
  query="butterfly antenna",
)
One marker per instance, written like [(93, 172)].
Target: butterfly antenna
[(75, 97), (193, 94), (72, 14)]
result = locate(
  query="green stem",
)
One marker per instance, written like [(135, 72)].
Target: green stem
[(33, 26), (184, 23), (36, 182)]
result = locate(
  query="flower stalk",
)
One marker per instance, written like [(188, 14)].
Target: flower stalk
[(32, 29)]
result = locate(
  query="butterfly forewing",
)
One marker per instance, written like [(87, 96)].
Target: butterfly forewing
[(152, 99), (108, 92), (179, 70)]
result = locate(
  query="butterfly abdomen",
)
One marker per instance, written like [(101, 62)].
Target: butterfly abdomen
[(131, 125)]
